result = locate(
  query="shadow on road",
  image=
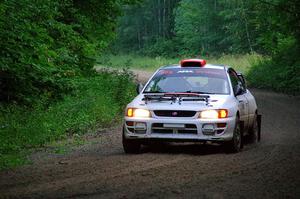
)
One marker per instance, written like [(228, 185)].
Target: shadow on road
[(183, 148)]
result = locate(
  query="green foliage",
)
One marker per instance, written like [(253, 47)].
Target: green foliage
[(98, 102), (189, 27), (281, 73), (147, 28), (206, 27), (48, 87), (44, 43), (12, 160), (134, 61), (162, 47), (197, 27)]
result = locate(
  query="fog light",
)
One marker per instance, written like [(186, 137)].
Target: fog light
[(208, 129), (140, 126)]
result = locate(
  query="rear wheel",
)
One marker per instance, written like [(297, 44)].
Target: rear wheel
[(130, 145), (235, 145)]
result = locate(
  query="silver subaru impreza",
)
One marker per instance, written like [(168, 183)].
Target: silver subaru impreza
[(191, 102)]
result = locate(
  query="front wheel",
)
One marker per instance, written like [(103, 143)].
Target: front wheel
[(235, 145), (130, 146)]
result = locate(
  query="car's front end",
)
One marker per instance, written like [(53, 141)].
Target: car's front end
[(187, 102), (188, 121)]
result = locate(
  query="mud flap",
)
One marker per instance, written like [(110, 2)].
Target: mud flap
[(242, 132), (259, 127)]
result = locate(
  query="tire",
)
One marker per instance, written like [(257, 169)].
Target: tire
[(130, 146), (254, 131), (235, 145)]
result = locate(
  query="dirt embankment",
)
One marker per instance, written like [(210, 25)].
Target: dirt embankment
[(100, 169)]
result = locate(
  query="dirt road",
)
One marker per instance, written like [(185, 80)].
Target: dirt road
[(100, 169)]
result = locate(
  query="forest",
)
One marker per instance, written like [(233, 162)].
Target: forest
[(213, 28), (208, 27), (49, 49)]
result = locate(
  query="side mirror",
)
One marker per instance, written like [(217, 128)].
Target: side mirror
[(238, 90), (139, 88), (241, 77)]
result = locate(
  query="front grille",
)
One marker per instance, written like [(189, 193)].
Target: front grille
[(184, 131), (191, 126), (170, 113), (157, 125), (160, 129)]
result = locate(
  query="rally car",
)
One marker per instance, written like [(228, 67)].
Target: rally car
[(190, 102)]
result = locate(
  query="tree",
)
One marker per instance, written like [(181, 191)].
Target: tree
[(147, 27), (44, 43)]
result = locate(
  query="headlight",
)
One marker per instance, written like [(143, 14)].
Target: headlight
[(132, 112), (214, 114)]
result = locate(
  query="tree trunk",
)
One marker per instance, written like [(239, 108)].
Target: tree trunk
[(159, 18)]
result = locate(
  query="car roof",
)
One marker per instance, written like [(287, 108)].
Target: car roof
[(213, 66)]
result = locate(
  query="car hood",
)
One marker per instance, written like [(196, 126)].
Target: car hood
[(214, 102)]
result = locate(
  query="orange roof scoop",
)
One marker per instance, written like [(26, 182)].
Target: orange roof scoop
[(192, 63)]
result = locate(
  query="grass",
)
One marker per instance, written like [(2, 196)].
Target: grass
[(134, 61), (241, 63), (65, 145), (98, 102)]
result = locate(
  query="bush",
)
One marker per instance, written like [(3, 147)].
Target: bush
[(281, 73), (161, 47), (96, 103)]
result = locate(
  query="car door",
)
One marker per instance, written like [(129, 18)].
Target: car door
[(252, 107), (243, 103)]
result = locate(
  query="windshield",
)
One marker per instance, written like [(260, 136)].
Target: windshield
[(189, 80)]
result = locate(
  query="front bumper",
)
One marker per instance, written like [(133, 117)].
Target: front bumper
[(178, 129)]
